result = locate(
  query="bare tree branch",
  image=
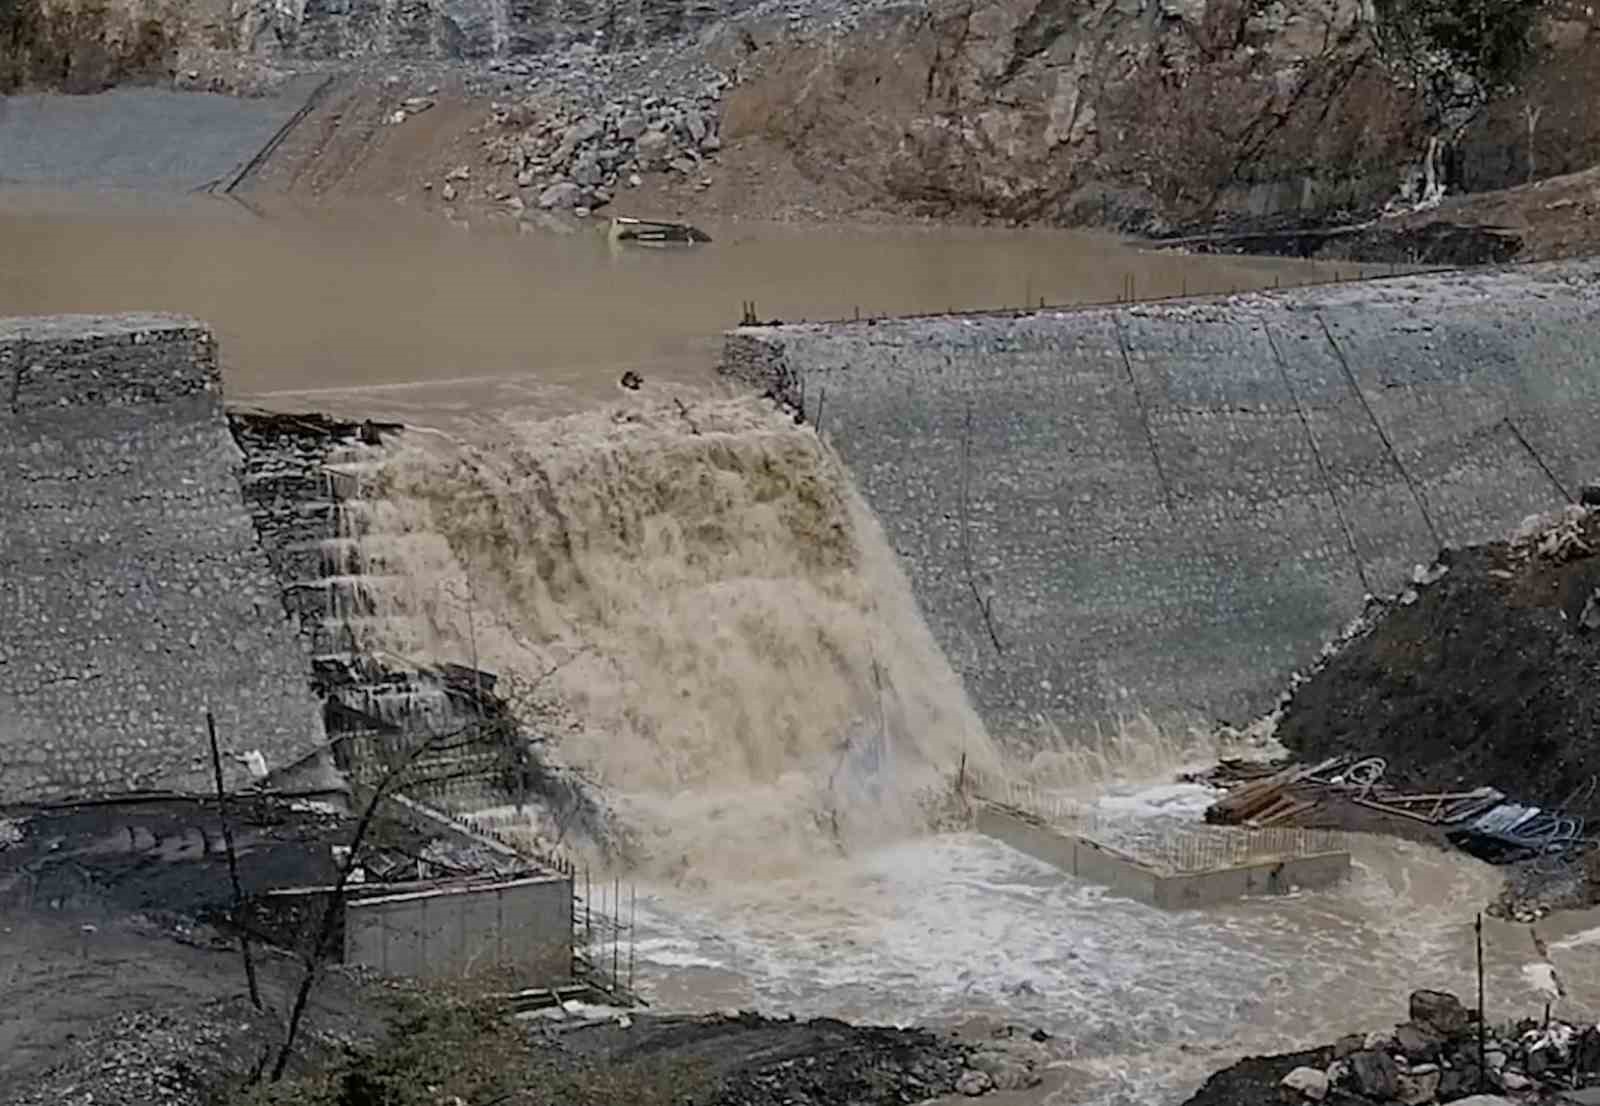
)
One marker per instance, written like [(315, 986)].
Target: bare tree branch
[(233, 865)]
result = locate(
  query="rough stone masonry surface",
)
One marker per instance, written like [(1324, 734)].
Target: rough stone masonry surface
[(133, 592), (1170, 508)]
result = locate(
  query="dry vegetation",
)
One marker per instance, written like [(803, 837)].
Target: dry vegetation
[(444, 1050)]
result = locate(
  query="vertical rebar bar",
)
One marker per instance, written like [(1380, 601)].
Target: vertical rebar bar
[(1482, 1071)]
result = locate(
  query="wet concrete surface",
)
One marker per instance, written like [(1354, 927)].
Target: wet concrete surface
[(146, 139)]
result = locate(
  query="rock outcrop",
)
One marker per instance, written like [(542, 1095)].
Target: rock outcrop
[(1136, 112), (1145, 114)]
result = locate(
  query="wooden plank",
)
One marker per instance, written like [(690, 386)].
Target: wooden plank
[(1283, 802), (1292, 811)]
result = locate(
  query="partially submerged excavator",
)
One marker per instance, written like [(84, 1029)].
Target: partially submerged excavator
[(646, 232)]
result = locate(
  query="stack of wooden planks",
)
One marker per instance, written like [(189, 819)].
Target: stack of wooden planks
[(1272, 799)]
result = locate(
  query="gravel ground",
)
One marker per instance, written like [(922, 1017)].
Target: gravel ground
[(145, 139)]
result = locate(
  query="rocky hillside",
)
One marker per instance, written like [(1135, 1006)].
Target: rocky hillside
[(1146, 114), (1158, 116)]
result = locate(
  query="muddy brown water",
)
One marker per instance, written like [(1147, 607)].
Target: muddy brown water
[(380, 309)]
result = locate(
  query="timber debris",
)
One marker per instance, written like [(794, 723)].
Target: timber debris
[(1482, 821)]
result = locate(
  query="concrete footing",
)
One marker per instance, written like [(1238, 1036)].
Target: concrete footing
[(1134, 878)]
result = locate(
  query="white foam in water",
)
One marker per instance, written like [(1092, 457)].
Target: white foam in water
[(942, 929), (704, 617), (1175, 800)]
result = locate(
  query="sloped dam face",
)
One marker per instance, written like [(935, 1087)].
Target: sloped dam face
[(1168, 509)]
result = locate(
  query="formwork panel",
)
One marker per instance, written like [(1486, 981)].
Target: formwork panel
[(1158, 884)]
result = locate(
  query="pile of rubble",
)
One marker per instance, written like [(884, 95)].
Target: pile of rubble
[(580, 159), (1434, 1057), (179, 1057)]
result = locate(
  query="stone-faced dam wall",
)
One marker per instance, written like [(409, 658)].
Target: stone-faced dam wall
[(134, 593), (1170, 508)]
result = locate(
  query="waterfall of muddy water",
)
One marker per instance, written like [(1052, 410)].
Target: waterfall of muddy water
[(706, 603)]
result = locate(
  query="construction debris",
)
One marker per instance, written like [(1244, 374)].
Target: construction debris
[(1437, 1055), (1481, 821)]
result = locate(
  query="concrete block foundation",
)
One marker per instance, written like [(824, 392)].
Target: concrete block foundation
[(516, 932), (1133, 877)]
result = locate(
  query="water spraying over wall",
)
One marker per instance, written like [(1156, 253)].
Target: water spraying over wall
[(697, 605)]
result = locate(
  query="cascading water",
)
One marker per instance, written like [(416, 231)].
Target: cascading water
[(697, 610), (699, 604)]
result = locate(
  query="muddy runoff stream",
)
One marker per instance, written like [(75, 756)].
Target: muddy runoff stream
[(708, 624)]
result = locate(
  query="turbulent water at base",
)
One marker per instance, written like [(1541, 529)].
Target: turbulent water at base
[(699, 604), (695, 604)]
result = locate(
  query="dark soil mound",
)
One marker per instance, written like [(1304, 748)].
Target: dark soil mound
[(1254, 1081), (1488, 676), (755, 1060)]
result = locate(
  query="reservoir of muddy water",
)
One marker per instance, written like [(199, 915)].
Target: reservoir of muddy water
[(387, 311)]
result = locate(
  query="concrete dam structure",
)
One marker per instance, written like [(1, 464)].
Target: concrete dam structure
[(1170, 508), (134, 592)]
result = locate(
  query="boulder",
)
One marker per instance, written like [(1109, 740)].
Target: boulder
[(1308, 1083), (1457, 1081), (695, 125), (1418, 1042), (1440, 1011), (587, 172), (974, 1083), (562, 194), (1344, 1046), (1586, 1054), (654, 149), (1514, 1081), (1374, 1074), (631, 127), (1414, 1088)]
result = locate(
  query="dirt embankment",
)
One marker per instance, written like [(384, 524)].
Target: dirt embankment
[(1490, 675)]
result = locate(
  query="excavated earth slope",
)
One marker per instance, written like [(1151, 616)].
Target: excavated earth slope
[(1486, 676)]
